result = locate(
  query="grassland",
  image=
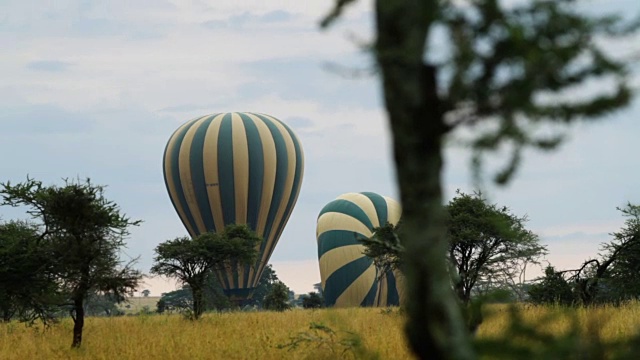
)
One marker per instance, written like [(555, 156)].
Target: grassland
[(256, 335), (136, 304)]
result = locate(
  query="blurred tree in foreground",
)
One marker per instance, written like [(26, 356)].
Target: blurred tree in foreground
[(507, 77)]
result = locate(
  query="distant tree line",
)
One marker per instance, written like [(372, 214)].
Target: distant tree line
[(489, 250), (270, 294), (612, 277), (489, 247)]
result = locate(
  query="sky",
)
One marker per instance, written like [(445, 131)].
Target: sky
[(95, 89)]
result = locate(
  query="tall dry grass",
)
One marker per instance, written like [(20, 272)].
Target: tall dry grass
[(252, 335), (256, 335)]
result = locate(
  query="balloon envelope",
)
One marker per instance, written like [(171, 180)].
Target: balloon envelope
[(349, 278), (235, 168)]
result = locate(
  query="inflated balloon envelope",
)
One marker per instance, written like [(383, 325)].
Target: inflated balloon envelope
[(350, 278), (235, 168)]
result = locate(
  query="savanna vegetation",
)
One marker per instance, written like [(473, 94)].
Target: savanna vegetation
[(509, 69), (539, 332)]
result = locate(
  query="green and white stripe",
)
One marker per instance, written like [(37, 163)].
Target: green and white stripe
[(235, 168), (349, 278)]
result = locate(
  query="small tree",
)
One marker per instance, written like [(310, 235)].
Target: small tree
[(161, 306), (268, 279), (146, 292), (27, 283), (614, 275), (83, 234), (179, 299), (313, 300), (551, 289), (486, 242), (278, 298), (192, 260), (385, 248)]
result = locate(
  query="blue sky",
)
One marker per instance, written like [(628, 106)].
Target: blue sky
[(95, 90)]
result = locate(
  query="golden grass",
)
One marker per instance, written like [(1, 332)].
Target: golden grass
[(608, 323), (250, 335), (255, 335), (137, 304)]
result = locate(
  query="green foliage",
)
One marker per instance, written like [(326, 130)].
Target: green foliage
[(176, 300), (330, 344), (192, 261), (551, 289), (278, 298), (82, 234), (27, 283), (487, 245), (265, 285), (385, 248), (622, 278), (102, 305), (506, 78), (313, 300), (611, 278), (161, 306), (486, 242), (513, 66)]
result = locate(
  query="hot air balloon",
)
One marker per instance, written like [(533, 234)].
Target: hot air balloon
[(349, 278), (235, 168)]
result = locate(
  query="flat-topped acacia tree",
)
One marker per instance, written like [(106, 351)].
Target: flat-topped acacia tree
[(82, 233), (191, 261)]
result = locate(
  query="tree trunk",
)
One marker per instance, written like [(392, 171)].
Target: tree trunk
[(198, 302), (78, 322), (7, 314), (435, 327)]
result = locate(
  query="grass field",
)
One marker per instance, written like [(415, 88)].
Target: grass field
[(256, 335), (136, 304)]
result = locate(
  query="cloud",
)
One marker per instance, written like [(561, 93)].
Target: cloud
[(49, 65), (299, 122), (309, 78), (41, 119), (249, 19), (183, 108)]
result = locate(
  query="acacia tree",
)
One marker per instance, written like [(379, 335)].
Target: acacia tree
[(312, 300), (27, 282), (83, 234), (616, 269), (278, 297), (508, 65), (265, 285), (191, 261), (385, 248), (486, 242)]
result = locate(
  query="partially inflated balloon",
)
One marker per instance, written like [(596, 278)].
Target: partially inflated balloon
[(235, 168), (349, 278)]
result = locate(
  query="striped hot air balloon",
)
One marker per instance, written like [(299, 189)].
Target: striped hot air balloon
[(235, 168), (349, 278)]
